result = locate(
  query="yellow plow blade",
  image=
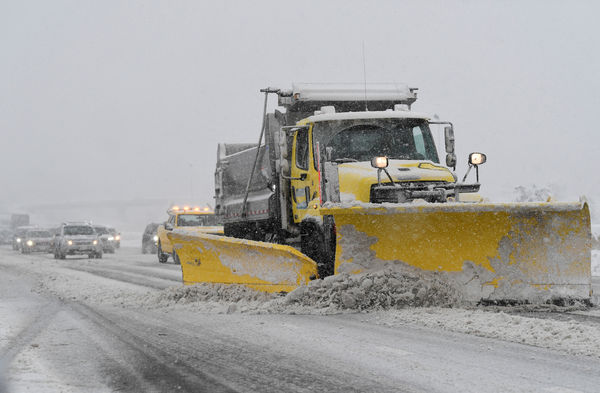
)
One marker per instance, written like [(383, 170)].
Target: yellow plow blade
[(523, 252), (258, 265)]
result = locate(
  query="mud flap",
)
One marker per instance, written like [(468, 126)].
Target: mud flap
[(515, 252), (258, 265)]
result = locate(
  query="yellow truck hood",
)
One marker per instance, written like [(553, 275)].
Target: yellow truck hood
[(356, 178)]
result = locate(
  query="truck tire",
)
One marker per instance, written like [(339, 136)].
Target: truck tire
[(176, 258), (162, 257), (318, 247)]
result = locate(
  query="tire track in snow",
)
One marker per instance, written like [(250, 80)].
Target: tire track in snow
[(130, 278)]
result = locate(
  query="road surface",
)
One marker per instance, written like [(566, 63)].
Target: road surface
[(82, 325)]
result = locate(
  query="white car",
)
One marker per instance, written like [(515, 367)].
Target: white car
[(77, 239)]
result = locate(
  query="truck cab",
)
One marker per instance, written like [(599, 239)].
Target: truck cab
[(194, 219)]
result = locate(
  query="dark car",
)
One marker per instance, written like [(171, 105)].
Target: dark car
[(38, 239), (150, 239), (6, 236)]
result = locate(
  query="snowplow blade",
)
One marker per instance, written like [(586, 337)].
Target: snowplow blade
[(513, 252), (258, 265)]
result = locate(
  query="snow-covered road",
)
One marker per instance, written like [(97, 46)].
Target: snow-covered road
[(121, 324)]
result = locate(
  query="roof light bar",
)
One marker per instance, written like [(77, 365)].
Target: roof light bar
[(353, 92)]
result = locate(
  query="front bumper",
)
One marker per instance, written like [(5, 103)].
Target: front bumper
[(77, 249), (37, 248), (408, 191)]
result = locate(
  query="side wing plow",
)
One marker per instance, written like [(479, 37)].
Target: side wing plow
[(258, 265)]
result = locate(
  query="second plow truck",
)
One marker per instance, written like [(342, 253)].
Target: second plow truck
[(347, 179)]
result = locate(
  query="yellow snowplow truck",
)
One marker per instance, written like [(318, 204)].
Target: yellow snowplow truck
[(351, 177), (184, 219)]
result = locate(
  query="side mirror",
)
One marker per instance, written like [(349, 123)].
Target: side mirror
[(451, 160), (449, 139), (168, 226), (283, 146)]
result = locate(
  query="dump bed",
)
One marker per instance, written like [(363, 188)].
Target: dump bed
[(234, 169)]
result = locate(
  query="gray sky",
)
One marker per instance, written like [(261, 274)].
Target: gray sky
[(112, 100)]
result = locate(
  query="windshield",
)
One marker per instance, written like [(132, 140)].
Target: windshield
[(195, 220), (101, 230), (79, 230), (39, 234), (363, 139)]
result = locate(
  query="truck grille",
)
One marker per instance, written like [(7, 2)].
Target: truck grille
[(407, 190)]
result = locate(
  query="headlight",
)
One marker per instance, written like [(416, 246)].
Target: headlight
[(110, 238), (118, 237), (29, 243), (155, 238), (379, 162), (95, 242), (70, 242), (18, 240), (477, 158)]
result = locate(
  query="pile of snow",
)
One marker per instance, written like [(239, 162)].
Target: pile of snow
[(569, 336), (375, 291), (207, 292), (532, 194)]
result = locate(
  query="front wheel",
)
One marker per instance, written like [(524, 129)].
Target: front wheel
[(162, 257), (176, 258), (319, 248)]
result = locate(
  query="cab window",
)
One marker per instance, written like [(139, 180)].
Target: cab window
[(302, 149), (419, 142)]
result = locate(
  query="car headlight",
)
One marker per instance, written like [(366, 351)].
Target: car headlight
[(70, 242), (155, 238), (29, 243), (118, 237), (95, 242), (18, 240), (110, 238)]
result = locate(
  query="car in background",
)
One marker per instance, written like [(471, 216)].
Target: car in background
[(116, 237), (36, 240), (18, 236), (6, 236), (107, 236), (150, 239), (77, 238)]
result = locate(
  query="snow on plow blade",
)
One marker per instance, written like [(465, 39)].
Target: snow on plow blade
[(258, 265), (514, 252)]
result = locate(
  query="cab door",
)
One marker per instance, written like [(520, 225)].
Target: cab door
[(165, 243), (304, 183)]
